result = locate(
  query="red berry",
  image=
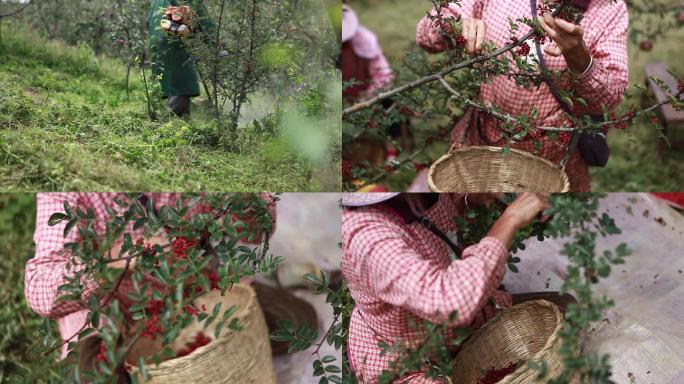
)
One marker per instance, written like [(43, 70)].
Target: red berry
[(524, 49), (181, 245), (152, 328), (564, 138), (390, 169), (192, 311), (419, 166), (680, 18), (646, 45), (155, 307), (406, 111), (461, 41), (214, 280), (102, 355), (346, 170)]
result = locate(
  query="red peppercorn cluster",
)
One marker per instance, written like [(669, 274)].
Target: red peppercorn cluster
[(152, 328), (191, 310), (102, 354), (155, 307), (181, 245), (564, 138), (493, 376), (461, 41), (200, 340), (523, 49), (346, 170), (214, 281)]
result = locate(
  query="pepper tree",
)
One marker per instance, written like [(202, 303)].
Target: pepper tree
[(434, 91), (574, 219), (198, 253)]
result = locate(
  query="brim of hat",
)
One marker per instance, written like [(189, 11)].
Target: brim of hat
[(364, 199), (350, 23)]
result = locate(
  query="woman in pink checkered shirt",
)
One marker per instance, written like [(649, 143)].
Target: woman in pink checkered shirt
[(596, 51), (399, 271), (47, 270)]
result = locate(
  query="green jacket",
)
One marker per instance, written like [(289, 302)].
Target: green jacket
[(170, 58)]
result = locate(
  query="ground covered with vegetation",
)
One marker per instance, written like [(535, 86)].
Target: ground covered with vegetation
[(67, 124), (634, 165)]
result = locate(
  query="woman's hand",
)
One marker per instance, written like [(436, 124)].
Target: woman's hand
[(474, 31), (121, 264), (526, 207), (569, 39)]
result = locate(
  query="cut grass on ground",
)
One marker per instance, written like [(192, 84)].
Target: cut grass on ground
[(633, 165), (65, 124)]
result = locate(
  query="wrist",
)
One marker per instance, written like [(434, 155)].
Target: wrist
[(578, 59), (512, 221)]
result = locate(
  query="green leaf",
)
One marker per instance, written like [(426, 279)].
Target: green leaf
[(57, 218), (69, 226), (328, 359)]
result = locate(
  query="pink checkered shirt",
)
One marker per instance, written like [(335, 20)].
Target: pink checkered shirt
[(46, 271), (399, 272), (605, 34)]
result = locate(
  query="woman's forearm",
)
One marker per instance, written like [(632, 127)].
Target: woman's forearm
[(504, 230)]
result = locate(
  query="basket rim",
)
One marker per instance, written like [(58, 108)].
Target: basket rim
[(542, 352), (483, 148), (215, 343)]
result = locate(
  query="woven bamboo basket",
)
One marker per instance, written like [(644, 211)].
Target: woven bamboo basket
[(487, 169), (525, 332), (242, 356)]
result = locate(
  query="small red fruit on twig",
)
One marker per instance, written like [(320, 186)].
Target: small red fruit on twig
[(680, 18), (461, 41), (646, 45)]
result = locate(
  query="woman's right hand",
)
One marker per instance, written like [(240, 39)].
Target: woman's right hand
[(526, 207), (474, 31)]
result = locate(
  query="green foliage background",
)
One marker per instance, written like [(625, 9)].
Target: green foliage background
[(20, 328)]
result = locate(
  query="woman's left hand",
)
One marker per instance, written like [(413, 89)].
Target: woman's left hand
[(569, 39)]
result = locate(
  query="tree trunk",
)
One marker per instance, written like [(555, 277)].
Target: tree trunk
[(128, 76)]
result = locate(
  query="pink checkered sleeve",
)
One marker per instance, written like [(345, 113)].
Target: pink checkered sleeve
[(607, 80), (400, 276), (47, 270), (380, 72), (428, 30)]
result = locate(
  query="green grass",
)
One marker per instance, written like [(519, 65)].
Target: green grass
[(633, 165), (65, 124)]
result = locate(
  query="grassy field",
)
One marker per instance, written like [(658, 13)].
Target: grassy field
[(633, 165), (65, 124)]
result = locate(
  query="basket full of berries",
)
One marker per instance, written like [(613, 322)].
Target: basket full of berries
[(237, 356), (178, 21), (500, 350)]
